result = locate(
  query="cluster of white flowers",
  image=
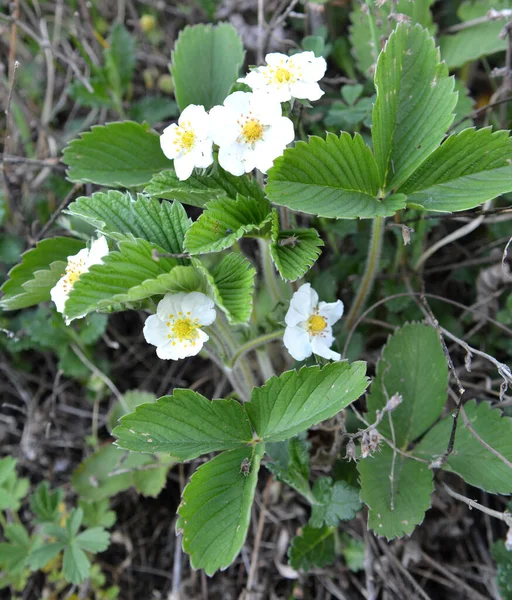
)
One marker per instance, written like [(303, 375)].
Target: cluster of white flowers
[(249, 128)]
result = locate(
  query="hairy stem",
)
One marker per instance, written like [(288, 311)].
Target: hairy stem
[(255, 343), (372, 265), (269, 272)]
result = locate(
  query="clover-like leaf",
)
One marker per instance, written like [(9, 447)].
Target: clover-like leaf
[(294, 251), (336, 177), (45, 504), (215, 511), (118, 215), (290, 463), (466, 170), (30, 281), (414, 106), (184, 425), (286, 405), (334, 502), (205, 64), (313, 547), (123, 154), (396, 490), (471, 457), (224, 221)]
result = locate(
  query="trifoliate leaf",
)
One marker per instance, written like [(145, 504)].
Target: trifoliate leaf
[(45, 504), (471, 459), (30, 282), (123, 154), (127, 275), (335, 501), (131, 400), (215, 511), (205, 64), (197, 190), (233, 287), (286, 405), (312, 548), (396, 505), (481, 38), (118, 215), (290, 463), (466, 170), (294, 251), (335, 177), (412, 364), (224, 221), (414, 107), (360, 34), (184, 425)]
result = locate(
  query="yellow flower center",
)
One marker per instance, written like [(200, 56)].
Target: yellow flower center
[(316, 324), (183, 329), (283, 75), (252, 131), (187, 139), (74, 269)]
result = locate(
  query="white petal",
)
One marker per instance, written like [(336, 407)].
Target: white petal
[(254, 79), (203, 337), (306, 91), (169, 148), (262, 159), (200, 307), (297, 342), (155, 331), (58, 295), (223, 126), (231, 159), (203, 156), (198, 118), (280, 134), (276, 58), (83, 255), (176, 350), (99, 249), (239, 102), (331, 311), (266, 107), (300, 306), (314, 68), (321, 348), (184, 165), (170, 304)]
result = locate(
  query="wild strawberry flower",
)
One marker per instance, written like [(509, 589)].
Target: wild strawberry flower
[(309, 325), (175, 328), (78, 264), (288, 77), (250, 132), (188, 142)]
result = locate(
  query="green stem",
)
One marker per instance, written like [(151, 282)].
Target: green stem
[(254, 343), (269, 272), (372, 265)]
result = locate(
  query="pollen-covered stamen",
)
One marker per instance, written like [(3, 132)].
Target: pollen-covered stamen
[(316, 324), (283, 75), (252, 131), (183, 329), (74, 269), (185, 138)]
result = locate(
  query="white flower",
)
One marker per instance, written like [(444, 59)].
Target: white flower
[(188, 143), (309, 325), (175, 329), (250, 131), (288, 77), (77, 265)]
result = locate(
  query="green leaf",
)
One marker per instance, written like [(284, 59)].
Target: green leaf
[(466, 170), (291, 463), (412, 487), (45, 504), (185, 425), (470, 459), (336, 501), (40, 557), (335, 177), (197, 190), (412, 364), (150, 481), (475, 41), (120, 58), (464, 109), (131, 400), (294, 251), (503, 558), (15, 552), (414, 107), (97, 513), (12, 488), (129, 275), (312, 548), (94, 540), (123, 154), (215, 511), (121, 217), (41, 267), (75, 565), (286, 405), (224, 221), (205, 64), (233, 287), (360, 34)]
